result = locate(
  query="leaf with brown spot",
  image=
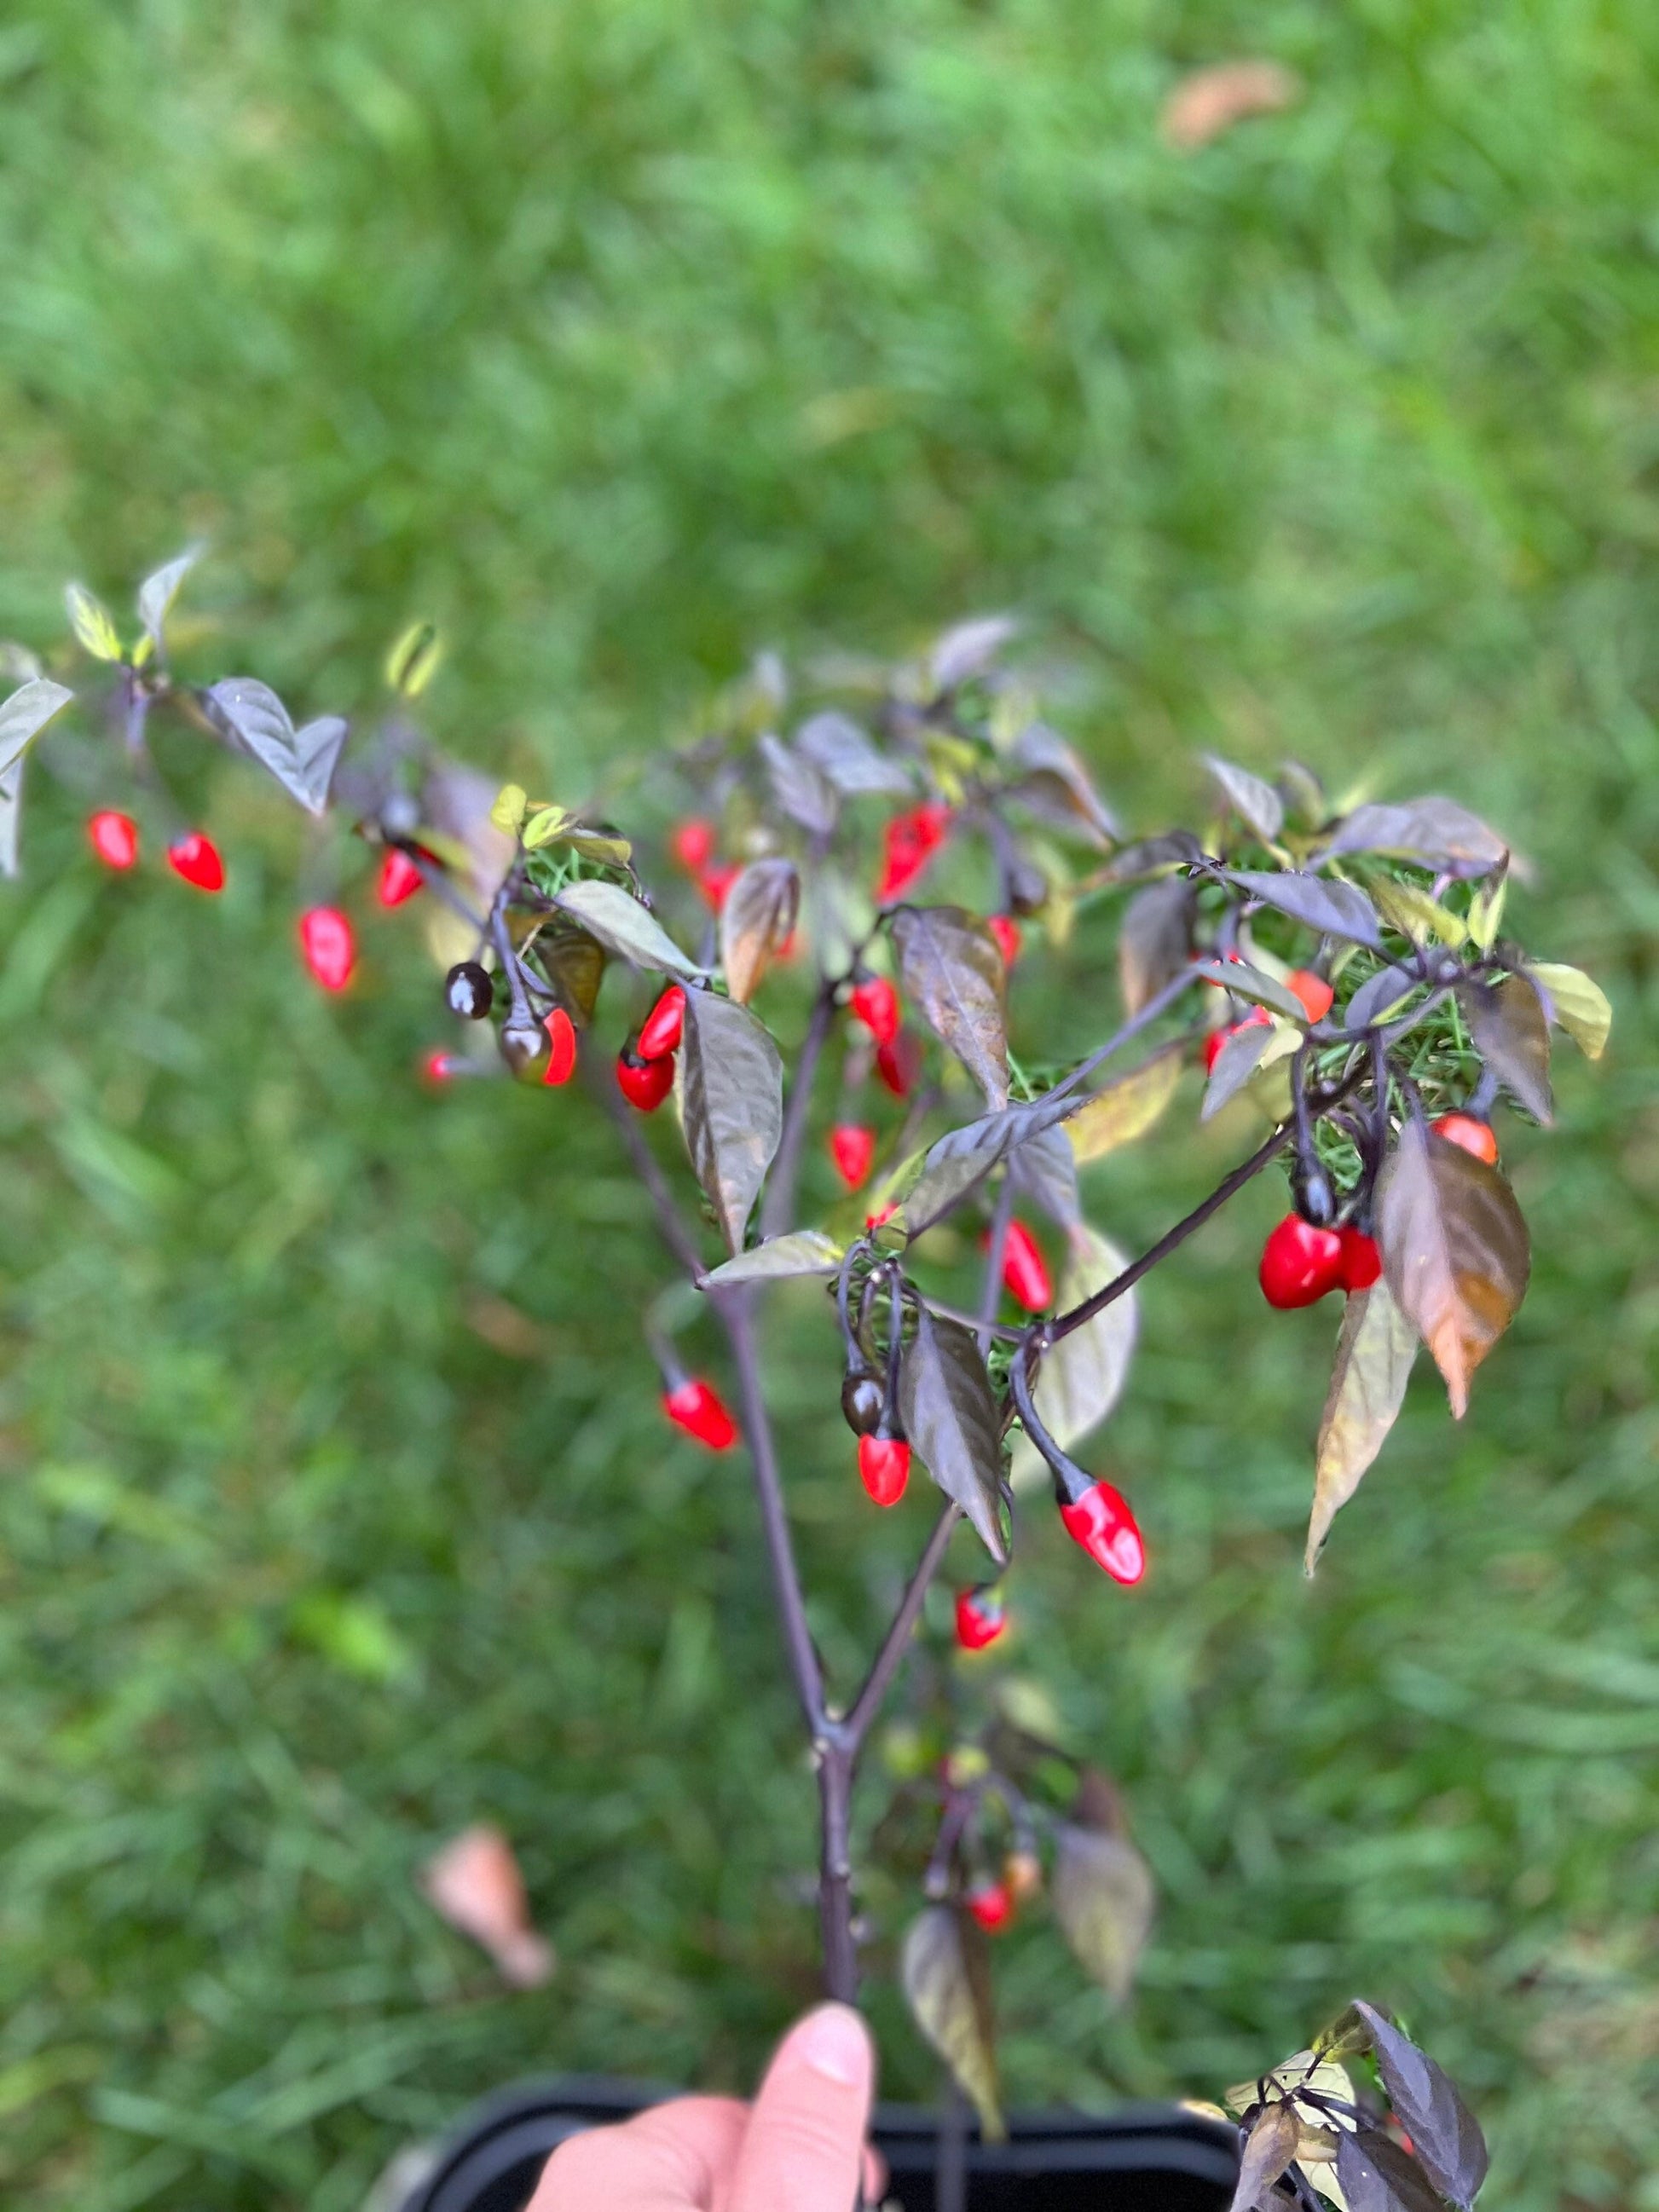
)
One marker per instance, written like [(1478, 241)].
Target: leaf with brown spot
[(1155, 939), (943, 1972), (756, 923), (1269, 2149), (1376, 1348), (1455, 1248), (1511, 1033), (952, 968)]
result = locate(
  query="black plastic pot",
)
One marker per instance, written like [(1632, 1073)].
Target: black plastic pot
[(1146, 2158)]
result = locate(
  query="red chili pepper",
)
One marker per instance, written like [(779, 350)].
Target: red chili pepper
[(562, 1038), (1006, 932), (196, 859), (1101, 1522), (692, 844), (697, 1408), (663, 1026), (114, 838), (1024, 1271), (644, 1083), (852, 1148), (990, 1904), (1469, 1134), (875, 1003), (330, 945), (399, 878), (1299, 1263), (1315, 993), (884, 1468), (981, 1619), (1361, 1262)]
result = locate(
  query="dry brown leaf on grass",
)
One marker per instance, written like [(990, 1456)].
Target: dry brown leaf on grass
[(1211, 101), (474, 1883)]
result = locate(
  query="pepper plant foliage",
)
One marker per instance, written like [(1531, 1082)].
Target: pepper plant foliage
[(825, 949)]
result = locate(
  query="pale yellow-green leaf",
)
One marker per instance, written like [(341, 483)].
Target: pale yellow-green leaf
[(1125, 1110), (1487, 909), (413, 660), (508, 811), (1374, 1351), (1581, 1006), (543, 827), (1081, 1378), (1410, 909), (90, 620), (942, 1971)]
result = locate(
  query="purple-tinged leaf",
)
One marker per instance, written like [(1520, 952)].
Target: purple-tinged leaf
[(11, 805), (1044, 1169), (806, 795), (1256, 803), (841, 753), (624, 927), (159, 590), (1437, 833), (1446, 2137), (1380, 998), (1151, 856), (1269, 2147), (944, 1973), (950, 1417), (1333, 908), (302, 761), (952, 968), (1053, 782), (1080, 1379), (732, 1102), (968, 649), (1155, 939), (1375, 2175), (1455, 1248), (1234, 1064), (1511, 1033), (1376, 1348)]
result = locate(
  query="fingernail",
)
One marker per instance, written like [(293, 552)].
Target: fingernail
[(834, 2042)]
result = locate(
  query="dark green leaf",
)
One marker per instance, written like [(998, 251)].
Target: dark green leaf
[(1103, 1898), (1155, 939), (302, 761), (1375, 1352), (1512, 1034), (803, 1252), (943, 1970), (839, 749), (1335, 909), (26, 713), (952, 968), (1257, 804), (1376, 2176), (732, 1098), (1446, 2136), (756, 921), (950, 1417), (1269, 2149), (623, 925), (576, 962), (1436, 832), (1455, 1248), (805, 794)]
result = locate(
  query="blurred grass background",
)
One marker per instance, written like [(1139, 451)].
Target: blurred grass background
[(623, 339)]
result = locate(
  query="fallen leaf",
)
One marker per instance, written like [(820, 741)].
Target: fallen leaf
[(474, 1883), (1210, 101)]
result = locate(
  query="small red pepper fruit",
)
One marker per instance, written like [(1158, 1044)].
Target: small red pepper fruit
[(1101, 1522), (697, 1408), (853, 1149), (715, 882), (1006, 932), (114, 838), (399, 878), (662, 1028), (1361, 1262), (875, 1003), (1315, 993), (440, 1066), (562, 1038), (644, 1083), (1024, 1271), (195, 859), (911, 840), (692, 844), (981, 1619), (329, 944), (991, 1905), (1299, 1263), (882, 1216), (1470, 1134), (899, 1064), (884, 1468), (1257, 1018)]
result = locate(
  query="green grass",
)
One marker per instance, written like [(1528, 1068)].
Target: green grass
[(625, 339)]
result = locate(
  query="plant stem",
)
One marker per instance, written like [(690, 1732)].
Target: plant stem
[(778, 1206), (841, 1957), (888, 1658)]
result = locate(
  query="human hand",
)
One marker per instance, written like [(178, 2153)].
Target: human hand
[(800, 2147)]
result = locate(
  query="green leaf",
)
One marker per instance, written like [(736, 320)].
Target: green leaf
[(89, 618), (625, 927), (731, 1100), (26, 713), (543, 827), (1375, 1349), (1080, 1379), (1512, 1035), (757, 920), (302, 761), (1486, 909), (951, 1419), (942, 1971), (803, 1252), (1103, 1899), (159, 589), (1409, 909), (1455, 1248), (952, 968), (510, 807), (1581, 1006), (413, 660)]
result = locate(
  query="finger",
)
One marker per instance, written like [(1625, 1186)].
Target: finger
[(875, 2177), (804, 2147), (677, 2157)]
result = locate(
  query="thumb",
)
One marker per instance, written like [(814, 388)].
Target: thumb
[(805, 2147)]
